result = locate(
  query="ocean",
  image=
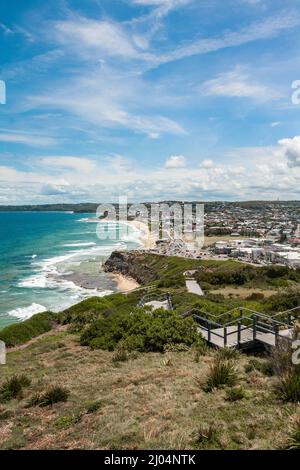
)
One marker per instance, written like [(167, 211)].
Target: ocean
[(51, 260)]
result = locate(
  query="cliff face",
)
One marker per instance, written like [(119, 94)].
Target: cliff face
[(131, 264)]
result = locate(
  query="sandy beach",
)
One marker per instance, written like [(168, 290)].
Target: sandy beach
[(147, 238), (124, 283)]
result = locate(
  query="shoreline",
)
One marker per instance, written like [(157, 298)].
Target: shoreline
[(147, 238), (124, 283), (90, 284)]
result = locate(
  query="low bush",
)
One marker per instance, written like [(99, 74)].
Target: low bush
[(53, 395), (294, 436), (200, 348), (228, 353), (235, 393), (20, 333), (64, 422), (95, 308), (179, 347), (93, 406), (206, 435), (221, 373), (288, 387), (264, 367), (120, 354), (13, 387), (141, 330)]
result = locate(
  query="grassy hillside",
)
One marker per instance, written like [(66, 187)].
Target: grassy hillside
[(168, 271), (153, 401), (107, 374)]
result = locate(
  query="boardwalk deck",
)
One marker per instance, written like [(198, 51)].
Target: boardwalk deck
[(246, 336)]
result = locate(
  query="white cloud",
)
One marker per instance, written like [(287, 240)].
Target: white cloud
[(259, 30), (175, 161), (260, 172), (26, 139), (237, 83), (109, 98), (291, 148), (207, 164), (74, 163), (104, 36)]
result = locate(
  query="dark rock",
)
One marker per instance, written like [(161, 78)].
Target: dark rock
[(130, 263)]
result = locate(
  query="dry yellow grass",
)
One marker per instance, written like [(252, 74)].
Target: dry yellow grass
[(242, 292), (147, 402)]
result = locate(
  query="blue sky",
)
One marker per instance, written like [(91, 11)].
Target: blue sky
[(153, 99)]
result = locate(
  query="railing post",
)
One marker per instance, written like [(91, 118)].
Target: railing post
[(208, 332), (239, 333), (225, 336), (254, 326), (289, 319), (276, 328)]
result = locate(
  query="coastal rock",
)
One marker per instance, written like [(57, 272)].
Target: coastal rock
[(130, 264)]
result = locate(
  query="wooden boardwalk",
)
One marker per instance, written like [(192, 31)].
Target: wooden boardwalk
[(247, 335)]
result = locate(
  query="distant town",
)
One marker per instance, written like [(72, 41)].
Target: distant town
[(258, 232)]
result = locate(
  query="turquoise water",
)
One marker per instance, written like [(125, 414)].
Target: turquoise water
[(51, 260)]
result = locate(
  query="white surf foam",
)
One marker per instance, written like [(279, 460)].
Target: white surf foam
[(81, 244), (26, 312)]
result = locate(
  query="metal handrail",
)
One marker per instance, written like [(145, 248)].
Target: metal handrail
[(269, 318)]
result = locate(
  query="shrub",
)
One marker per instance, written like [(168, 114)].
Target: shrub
[(6, 414), (120, 354), (227, 353), (200, 348), (93, 406), (221, 372), (288, 387), (294, 436), (22, 332), (141, 330), (35, 400), (265, 367), (13, 387), (64, 422), (96, 308), (256, 296), (235, 393), (53, 395), (179, 347), (281, 358), (206, 434)]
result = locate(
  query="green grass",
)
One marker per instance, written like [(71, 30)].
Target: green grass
[(222, 372), (288, 388), (13, 387), (146, 402)]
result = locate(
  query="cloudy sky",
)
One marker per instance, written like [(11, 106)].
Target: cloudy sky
[(153, 99)]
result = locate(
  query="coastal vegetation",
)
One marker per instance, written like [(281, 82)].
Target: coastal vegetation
[(20, 333), (150, 400), (170, 389), (141, 331), (168, 271)]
